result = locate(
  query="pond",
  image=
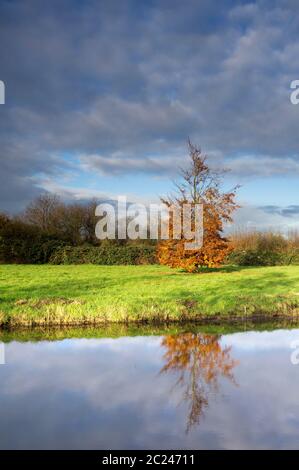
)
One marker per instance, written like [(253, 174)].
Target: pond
[(189, 389)]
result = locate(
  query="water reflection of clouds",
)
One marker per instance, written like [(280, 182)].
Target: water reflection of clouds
[(109, 394), (266, 340)]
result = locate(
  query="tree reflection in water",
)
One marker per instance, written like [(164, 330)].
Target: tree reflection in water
[(200, 361)]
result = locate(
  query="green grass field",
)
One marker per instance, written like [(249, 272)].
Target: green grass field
[(46, 294)]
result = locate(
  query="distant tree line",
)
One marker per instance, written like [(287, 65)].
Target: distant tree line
[(50, 230)]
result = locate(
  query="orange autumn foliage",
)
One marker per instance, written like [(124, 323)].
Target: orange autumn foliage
[(200, 185)]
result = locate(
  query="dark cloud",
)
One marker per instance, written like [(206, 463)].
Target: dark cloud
[(121, 85), (289, 211)]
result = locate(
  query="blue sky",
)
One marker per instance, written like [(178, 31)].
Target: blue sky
[(101, 97)]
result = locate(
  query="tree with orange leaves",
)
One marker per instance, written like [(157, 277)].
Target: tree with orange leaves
[(200, 185)]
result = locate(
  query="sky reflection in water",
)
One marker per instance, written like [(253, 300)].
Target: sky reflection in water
[(177, 391)]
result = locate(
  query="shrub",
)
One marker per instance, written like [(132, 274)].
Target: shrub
[(23, 243), (256, 258), (264, 249), (105, 255)]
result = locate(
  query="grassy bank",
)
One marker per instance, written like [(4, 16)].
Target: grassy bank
[(87, 294)]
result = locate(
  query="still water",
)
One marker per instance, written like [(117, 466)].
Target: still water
[(191, 390)]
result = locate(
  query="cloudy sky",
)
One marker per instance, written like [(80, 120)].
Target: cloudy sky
[(101, 97)]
